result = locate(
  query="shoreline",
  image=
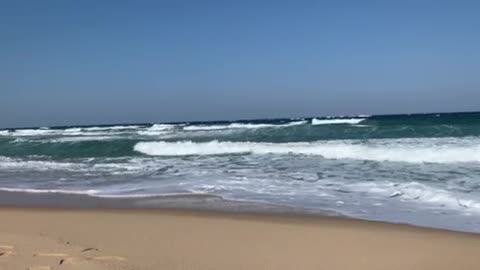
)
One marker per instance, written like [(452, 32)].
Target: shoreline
[(188, 203), (206, 239), (181, 201)]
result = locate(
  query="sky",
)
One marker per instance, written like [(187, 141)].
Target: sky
[(100, 62)]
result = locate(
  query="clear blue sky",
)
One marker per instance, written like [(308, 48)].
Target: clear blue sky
[(90, 62)]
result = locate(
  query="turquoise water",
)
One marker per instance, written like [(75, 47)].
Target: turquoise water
[(422, 169), (119, 140)]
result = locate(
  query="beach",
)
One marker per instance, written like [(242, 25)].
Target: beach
[(54, 238), (316, 193)]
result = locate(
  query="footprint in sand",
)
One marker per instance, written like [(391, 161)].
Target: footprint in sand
[(5, 253), (50, 255), (89, 249), (67, 259), (6, 250), (103, 258), (39, 268)]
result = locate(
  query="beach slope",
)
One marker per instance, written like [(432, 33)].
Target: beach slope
[(45, 239)]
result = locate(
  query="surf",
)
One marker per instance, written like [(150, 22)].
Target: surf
[(412, 151)]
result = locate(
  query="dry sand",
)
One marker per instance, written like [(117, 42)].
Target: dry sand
[(177, 239)]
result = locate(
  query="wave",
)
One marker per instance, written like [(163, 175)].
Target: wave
[(351, 121), (50, 132), (421, 151), (157, 130), (32, 132), (241, 126), (414, 191), (18, 164), (102, 193), (110, 128), (91, 166), (151, 133), (220, 127), (42, 191), (161, 127), (72, 130), (88, 192)]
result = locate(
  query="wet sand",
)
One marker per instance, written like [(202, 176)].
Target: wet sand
[(45, 238)]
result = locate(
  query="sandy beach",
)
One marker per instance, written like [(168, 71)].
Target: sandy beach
[(41, 239)]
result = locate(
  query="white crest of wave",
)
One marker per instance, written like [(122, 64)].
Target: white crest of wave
[(242, 126), (230, 126), (151, 133), (73, 130), (351, 121), (200, 127), (91, 192), (161, 127), (375, 150), (156, 130), (33, 132), (110, 128)]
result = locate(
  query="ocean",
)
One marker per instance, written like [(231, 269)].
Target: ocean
[(422, 169)]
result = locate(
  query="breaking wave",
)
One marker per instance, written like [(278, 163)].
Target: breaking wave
[(351, 121), (376, 150), (242, 126)]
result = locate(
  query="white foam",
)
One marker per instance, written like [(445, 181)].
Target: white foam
[(241, 126), (293, 123), (201, 127), (415, 151), (91, 192), (161, 127), (421, 193), (73, 130), (110, 128), (96, 193), (16, 164), (124, 168), (20, 140), (157, 130), (33, 132), (151, 133), (90, 133), (350, 121)]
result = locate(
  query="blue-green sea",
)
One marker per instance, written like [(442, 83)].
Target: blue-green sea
[(422, 169)]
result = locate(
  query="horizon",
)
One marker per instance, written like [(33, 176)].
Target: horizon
[(260, 120)]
